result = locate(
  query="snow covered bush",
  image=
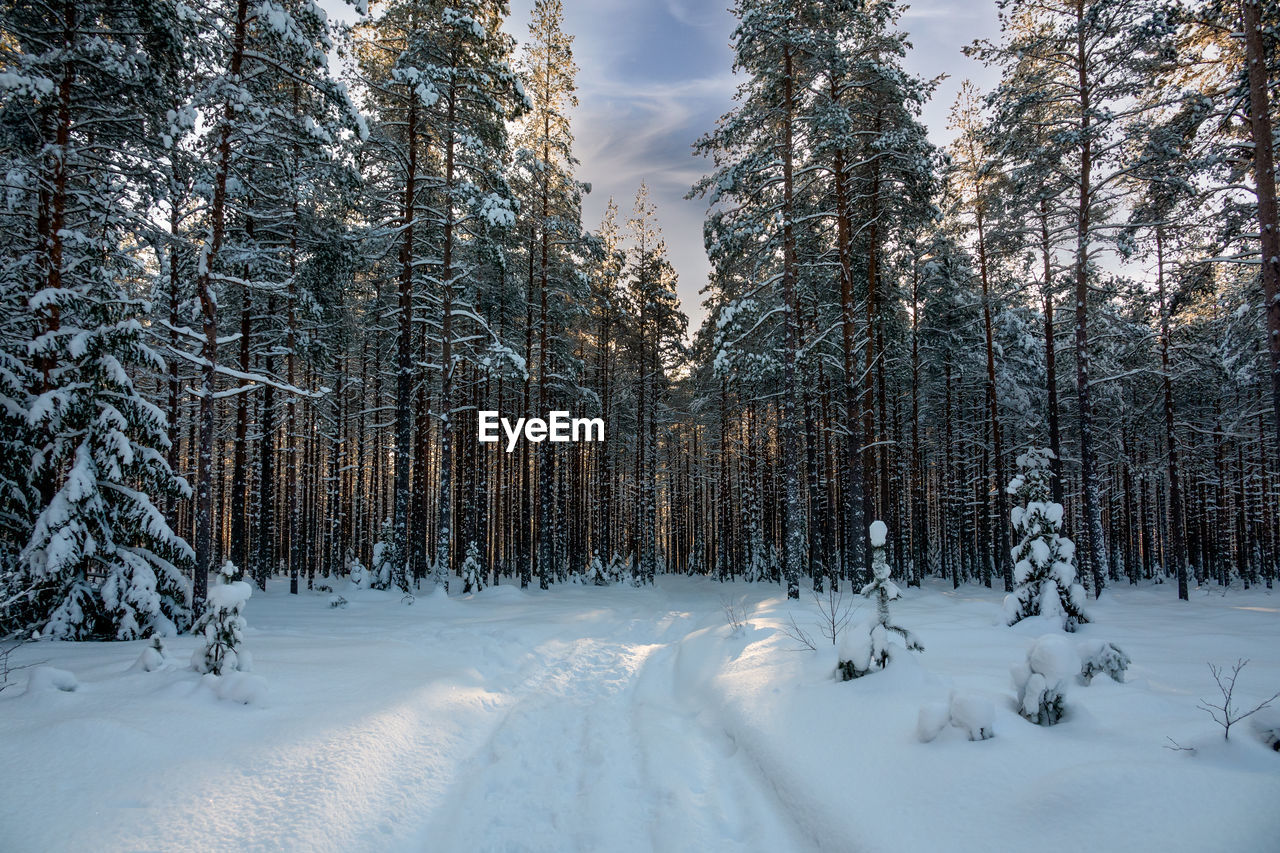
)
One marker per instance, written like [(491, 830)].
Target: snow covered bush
[(932, 719), (220, 628), (472, 569), (151, 658), (355, 571), (358, 574), (867, 647), (1044, 567), (595, 574), (1099, 656), (1267, 727), (974, 715), (1042, 680)]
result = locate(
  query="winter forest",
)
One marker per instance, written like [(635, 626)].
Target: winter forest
[(263, 268)]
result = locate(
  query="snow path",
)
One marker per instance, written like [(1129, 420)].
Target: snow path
[(602, 755), (533, 723)]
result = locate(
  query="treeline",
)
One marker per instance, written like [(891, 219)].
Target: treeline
[(891, 324), (251, 305)]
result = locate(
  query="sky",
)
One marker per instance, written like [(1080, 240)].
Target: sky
[(654, 75)]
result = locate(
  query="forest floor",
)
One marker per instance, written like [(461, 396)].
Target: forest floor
[(616, 719)]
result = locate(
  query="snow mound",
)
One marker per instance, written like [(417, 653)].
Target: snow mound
[(241, 687), (975, 715), (229, 595), (933, 718), (150, 660), (47, 679), (1267, 726)]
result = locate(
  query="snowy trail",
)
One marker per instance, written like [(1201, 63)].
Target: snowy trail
[(604, 756)]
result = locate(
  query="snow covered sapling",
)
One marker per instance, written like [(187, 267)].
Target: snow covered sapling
[(1042, 680), (619, 569), (472, 570), (7, 668), (358, 574), (151, 658), (867, 647), (974, 715), (380, 568), (1099, 656), (1043, 560), (596, 573), (220, 628)]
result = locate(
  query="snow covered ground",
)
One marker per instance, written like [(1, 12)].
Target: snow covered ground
[(614, 719)]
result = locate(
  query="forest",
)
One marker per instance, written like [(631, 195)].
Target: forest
[(260, 272)]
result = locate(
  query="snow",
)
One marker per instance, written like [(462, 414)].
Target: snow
[(150, 660), (878, 532), (238, 687), (45, 679), (973, 714), (932, 719), (623, 719)]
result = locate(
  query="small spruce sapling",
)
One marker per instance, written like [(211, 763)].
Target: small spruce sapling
[(358, 575), (595, 574), (380, 568), (615, 568), (867, 648), (1100, 656), (220, 628), (1042, 680), (472, 570), (1044, 568)]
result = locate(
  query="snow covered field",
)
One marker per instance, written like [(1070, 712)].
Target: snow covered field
[(615, 719)]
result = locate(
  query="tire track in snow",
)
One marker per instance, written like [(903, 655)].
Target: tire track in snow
[(604, 756)]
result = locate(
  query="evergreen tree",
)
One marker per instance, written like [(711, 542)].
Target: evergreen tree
[(220, 629), (1044, 560), (868, 647), (83, 117)]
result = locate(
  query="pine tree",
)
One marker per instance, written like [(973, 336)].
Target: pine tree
[(89, 82), (1091, 60), (1044, 561), (220, 629), (473, 571), (658, 330), (868, 647)]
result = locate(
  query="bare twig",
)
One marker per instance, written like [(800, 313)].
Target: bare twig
[(801, 636), (1227, 714), (1177, 747), (7, 648), (734, 612), (834, 610)]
